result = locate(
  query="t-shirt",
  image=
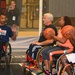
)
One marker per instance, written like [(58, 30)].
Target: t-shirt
[(5, 33), (42, 37), (12, 17)]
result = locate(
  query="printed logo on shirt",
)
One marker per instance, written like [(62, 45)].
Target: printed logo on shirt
[(2, 32)]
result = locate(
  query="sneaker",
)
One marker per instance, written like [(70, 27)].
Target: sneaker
[(47, 72)]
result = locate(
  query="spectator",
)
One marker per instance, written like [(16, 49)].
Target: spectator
[(13, 14)]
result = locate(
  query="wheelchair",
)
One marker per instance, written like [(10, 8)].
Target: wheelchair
[(28, 58), (38, 61), (5, 54), (54, 57), (39, 58)]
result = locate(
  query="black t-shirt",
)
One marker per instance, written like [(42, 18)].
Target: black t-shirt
[(12, 16), (42, 38)]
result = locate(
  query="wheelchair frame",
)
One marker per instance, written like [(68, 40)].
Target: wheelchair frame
[(7, 54), (41, 66)]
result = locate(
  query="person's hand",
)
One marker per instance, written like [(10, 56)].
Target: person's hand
[(34, 42), (37, 43), (14, 28), (51, 34), (10, 8)]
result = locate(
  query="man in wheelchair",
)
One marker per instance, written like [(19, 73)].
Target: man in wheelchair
[(5, 33), (35, 46)]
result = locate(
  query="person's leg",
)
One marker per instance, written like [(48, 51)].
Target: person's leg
[(46, 52), (65, 62), (29, 53), (30, 49), (52, 49), (45, 57), (35, 50)]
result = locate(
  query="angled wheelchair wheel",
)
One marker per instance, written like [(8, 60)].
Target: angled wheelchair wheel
[(39, 58), (8, 55)]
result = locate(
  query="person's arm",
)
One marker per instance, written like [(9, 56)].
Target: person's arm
[(72, 41), (45, 42), (14, 30), (7, 13), (13, 37), (61, 40)]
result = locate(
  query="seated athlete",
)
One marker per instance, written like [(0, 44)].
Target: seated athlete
[(62, 43), (5, 32), (69, 57), (34, 46)]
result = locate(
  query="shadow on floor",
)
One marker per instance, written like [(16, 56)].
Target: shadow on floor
[(14, 70)]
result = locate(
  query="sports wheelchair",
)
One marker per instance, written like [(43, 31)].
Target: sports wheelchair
[(36, 61), (5, 54), (54, 58)]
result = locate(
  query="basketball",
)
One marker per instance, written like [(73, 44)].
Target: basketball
[(47, 31), (66, 30)]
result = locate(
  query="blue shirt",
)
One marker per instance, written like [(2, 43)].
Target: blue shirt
[(5, 33)]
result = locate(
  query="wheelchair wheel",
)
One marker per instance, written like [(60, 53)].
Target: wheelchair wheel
[(8, 55), (39, 58)]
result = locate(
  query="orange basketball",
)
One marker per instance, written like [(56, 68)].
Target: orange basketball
[(47, 31), (65, 30)]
